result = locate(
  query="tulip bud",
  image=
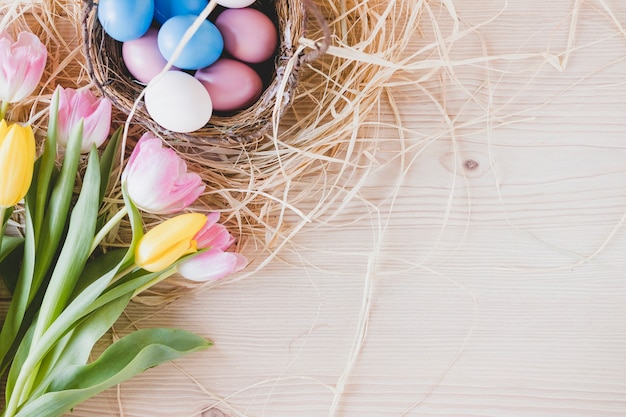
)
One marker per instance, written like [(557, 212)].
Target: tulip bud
[(157, 180), (166, 243), (17, 159), (21, 66), (95, 112)]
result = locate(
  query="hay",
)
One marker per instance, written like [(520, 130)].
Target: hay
[(310, 152)]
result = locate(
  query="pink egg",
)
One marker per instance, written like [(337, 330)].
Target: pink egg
[(231, 84), (249, 35), (143, 58)]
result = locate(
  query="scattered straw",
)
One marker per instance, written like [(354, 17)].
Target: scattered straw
[(259, 186)]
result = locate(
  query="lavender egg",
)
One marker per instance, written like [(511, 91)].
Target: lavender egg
[(143, 58)]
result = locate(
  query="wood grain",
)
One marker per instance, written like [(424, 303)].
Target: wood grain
[(481, 269)]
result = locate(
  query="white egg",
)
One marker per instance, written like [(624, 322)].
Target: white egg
[(178, 102), (235, 4)]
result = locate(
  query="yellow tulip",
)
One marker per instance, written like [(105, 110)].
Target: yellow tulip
[(17, 159), (166, 243)]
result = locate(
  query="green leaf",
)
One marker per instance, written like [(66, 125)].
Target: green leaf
[(47, 162), (9, 244), (76, 346), (131, 355), (96, 267), (11, 256), (75, 251), (107, 160), (19, 316), (83, 304), (13, 322), (124, 286), (59, 328), (57, 210), (70, 263), (80, 306), (20, 357), (7, 215), (136, 225)]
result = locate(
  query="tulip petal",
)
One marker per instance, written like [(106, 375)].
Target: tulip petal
[(214, 236), (97, 124), (95, 112), (17, 158), (168, 241), (211, 265), (21, 66), (157, 180)]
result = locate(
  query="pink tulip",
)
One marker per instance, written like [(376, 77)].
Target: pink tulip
[(21, 66), (213, 234), (214, 263), (95, 112), (157, 180), (211, 265)]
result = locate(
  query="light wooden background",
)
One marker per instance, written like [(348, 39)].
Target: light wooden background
[(480, 272)]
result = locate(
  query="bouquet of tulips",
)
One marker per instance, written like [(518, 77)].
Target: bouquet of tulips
[(65, 292)]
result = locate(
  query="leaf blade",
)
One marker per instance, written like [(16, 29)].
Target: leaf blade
[(131, 355)]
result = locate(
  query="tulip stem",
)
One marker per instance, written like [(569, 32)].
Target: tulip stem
[(106, 229), (3, 109), (165, 274)]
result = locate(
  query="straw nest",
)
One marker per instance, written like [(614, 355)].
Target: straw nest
[(106, 68), (295, 173)]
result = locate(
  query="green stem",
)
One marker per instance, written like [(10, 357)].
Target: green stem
[(113, 221), (166, 274), (3, 109)]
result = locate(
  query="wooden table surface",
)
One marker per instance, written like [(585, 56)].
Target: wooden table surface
[(480, 268)]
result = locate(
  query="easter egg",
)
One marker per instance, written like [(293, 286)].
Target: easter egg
[(231, 84), (235, 4), (249, 35), (204, 48), (178, 102), (125, 20), (164, 9), (143, 58)]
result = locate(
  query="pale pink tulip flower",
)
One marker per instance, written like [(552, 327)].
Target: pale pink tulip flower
[(22, 64), (211, 265), (156, 178), (95, 112), (214, 263)]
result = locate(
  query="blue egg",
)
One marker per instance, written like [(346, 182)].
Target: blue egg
[(203, 49), (125, 20), (164, 9)]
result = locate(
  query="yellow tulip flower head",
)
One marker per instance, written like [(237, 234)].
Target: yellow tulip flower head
[(17, 159), (169, 241)]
